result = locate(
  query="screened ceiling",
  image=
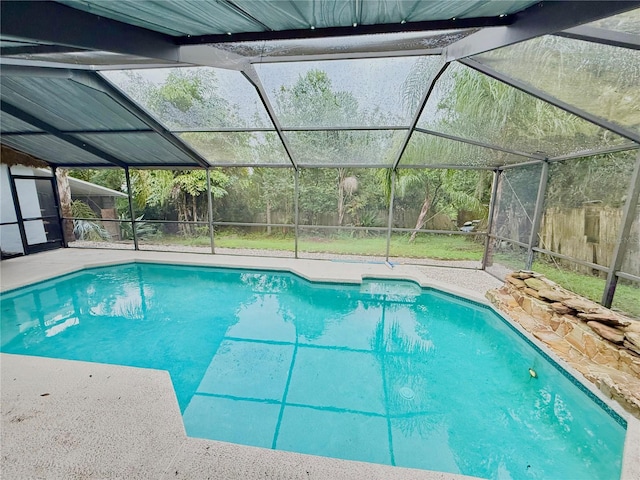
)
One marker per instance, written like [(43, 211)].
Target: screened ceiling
[(385, 84)]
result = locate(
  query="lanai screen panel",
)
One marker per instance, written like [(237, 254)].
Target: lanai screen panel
[(600, 79), (425, 150), (344, 93), (513, 219), (375, 148), (627, 22), (238, 148), (213, 110), (583, 209), (631, 260), (516, 202), (194, 98), (471, 105)]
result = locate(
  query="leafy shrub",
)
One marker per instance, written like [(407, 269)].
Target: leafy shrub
[(83, 228)]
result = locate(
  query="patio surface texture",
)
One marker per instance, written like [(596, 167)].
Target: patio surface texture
[(79, 420)]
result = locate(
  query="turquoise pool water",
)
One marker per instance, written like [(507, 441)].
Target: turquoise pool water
[(382, 372)]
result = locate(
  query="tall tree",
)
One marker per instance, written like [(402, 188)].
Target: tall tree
[(313, 101)]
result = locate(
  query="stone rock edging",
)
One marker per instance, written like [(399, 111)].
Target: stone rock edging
[(601, 344)]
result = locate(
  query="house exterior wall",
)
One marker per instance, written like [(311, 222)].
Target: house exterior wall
[(10, 241)]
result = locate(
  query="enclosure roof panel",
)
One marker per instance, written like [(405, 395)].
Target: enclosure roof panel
[(9, 124), (139, 149), (66, 104), (173, 17), (193, 17), (600, 79), (53, 150)]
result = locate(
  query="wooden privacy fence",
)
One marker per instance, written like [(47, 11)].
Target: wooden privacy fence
[(589, 233)]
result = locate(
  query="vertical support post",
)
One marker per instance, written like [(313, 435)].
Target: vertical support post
[(296, 192), (133, 218), (493, 201), (537, 214), (56, 196), (628, 214), (210, 207), (390, 223)]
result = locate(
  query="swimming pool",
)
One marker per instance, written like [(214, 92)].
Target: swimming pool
[(384, 372)]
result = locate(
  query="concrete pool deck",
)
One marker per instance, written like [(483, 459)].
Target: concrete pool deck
[(68, 419)]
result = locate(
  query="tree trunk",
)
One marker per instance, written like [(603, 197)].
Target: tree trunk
[(268, 217), (423, 213), (341, 176), (195, 209), (183, 214), (194, 228), (62, 177)]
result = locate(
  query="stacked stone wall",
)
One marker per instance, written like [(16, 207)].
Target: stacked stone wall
[(601, 344)]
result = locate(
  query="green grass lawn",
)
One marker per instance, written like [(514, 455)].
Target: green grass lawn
[(438, 247), (627, 297)]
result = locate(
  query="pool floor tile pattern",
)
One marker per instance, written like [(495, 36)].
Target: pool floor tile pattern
[(232, 420), (281, 395), (263, 324), (253, 370), (350, 436), (358, 387), (264, 387), (353, 331), (408, 436)]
